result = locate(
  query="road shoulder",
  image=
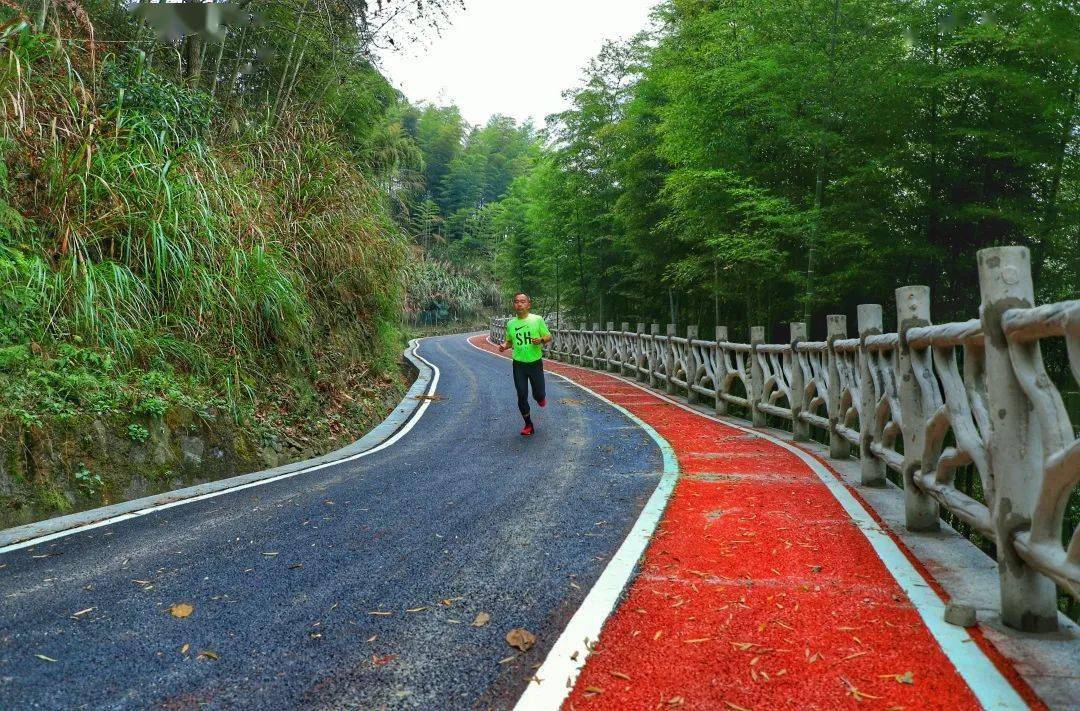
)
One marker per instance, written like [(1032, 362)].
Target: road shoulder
[(410, 408)]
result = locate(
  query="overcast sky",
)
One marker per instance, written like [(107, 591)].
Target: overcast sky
[(513, 57)]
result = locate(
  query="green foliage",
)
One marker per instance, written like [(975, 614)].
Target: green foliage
[(437, 288), (682, 183), (137, 433), (165, 248), (14, 358), (88, 483), (152, 406), (51, 498), (453, 209), (158, 105)]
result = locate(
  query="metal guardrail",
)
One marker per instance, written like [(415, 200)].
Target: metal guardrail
[(896, 398)]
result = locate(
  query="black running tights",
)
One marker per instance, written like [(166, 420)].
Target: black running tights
[(524, 374)]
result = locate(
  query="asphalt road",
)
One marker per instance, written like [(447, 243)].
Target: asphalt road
[(461, 516)]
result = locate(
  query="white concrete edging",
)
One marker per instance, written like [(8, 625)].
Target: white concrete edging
[(554, 679)]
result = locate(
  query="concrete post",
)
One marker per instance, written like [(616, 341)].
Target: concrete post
[(720, 368), (691, 366), (669, 360), (836, 328), (1015, 443), (624, 351), (654, 330), (583, 345), (610, 349), (800, 428), (913, 309), (757, 376), (872, 469), (639, 351)]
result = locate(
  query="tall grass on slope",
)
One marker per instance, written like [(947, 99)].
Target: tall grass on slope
[(124, 231), (437, 290)]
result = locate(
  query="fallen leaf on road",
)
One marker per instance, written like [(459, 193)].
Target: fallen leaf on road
[(380, 613), (698, 641), (383, 660), (507, 660), (593, 690), (416, 609), (905, 678), (181, 609), (520, 638), (81, 612), (270, 553), (482, 618), (620, 675), (207, 654), (185, 648), (735, 706), (676, 701), (855, 693), (373, 637), (44, 658)]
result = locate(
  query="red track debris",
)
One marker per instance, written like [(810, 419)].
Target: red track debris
[(757, 591)]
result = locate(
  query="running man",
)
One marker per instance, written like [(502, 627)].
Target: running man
[(525, 334)]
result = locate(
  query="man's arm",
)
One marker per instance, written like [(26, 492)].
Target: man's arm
[(545, 334)]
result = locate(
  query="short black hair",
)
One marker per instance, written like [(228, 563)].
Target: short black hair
[(522, 293)]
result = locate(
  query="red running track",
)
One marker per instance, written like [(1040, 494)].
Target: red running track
[(757, 590)]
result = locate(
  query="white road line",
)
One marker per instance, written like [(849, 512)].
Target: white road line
[(161, 507), (986, 682), (564, 661)]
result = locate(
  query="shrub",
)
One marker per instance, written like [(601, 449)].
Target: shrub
[(89, 483), (137, 433)]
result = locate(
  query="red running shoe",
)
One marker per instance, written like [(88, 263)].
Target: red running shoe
[(527, 430), (542, 402)]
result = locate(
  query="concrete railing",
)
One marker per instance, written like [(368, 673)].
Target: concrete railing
[(923, 402)]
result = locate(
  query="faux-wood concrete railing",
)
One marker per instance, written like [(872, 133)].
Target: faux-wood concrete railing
[(895, 398)]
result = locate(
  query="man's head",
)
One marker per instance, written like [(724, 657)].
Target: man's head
[(522, 303)]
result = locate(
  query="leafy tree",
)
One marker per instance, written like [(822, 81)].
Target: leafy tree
[(748, 162)]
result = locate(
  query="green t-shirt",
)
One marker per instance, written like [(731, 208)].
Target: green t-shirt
[(519, 331)]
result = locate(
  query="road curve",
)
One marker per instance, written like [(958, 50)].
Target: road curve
[(461, 516)]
